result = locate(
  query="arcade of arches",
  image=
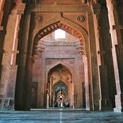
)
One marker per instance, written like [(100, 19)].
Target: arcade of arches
[(81, 70)]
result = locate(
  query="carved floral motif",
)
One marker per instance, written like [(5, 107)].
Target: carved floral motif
[(81, 18)]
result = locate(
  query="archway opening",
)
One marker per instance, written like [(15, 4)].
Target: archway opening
[(59, 87), (63, 56), (60, 95), (60, 34), (60, 27)]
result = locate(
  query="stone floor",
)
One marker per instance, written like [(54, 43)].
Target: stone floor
[(59, 116)]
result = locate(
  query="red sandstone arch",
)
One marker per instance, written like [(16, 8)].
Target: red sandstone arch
[(66, 67), (69, 85), (66, 25), (63, 64), (88, 44)]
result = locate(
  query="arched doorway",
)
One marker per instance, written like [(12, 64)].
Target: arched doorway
[(40, 22), (85, 48), (60, 95), (60, 88)]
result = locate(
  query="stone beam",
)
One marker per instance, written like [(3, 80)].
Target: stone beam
[(83, 8)]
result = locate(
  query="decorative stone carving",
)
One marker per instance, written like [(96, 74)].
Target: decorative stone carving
[(81, 18), (71, 61)]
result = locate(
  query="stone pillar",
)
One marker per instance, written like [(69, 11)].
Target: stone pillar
[(9, 67), (94, 74), (96, 12), (87, 96), (78, 86), (28, 83), (2, 2), (117, 45), (102, 69), (20, 84)]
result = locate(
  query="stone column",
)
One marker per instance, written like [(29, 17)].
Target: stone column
[(96, 12), (9, 67), (93, 64), (23, 54), (117, 46), (78, 85), (87, 96), (28, 83), (2, 2), (102, 68)]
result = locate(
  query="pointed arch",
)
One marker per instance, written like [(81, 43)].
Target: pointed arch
[(66, 25), (68, 68), (69, 84)]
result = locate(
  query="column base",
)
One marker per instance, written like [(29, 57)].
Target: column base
[(118, 109), (118, 103), (6, 103)]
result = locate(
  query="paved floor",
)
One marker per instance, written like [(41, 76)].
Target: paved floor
[(59, 116)]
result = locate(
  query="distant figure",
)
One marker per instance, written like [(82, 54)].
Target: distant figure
[(61, 103), (60, 97)]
